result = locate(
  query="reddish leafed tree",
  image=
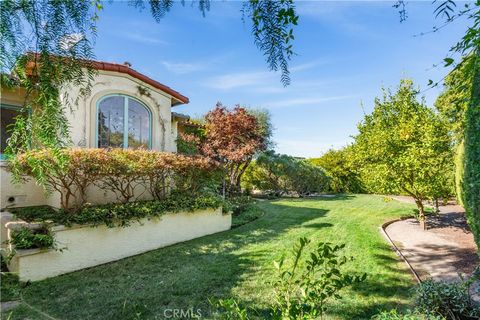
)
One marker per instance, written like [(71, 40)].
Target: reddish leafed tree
[(232, 137)]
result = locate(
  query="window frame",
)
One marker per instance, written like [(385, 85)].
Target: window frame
[(125, 118), (3, 156)]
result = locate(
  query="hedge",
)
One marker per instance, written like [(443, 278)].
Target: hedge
[(471, 181), (71, 172)]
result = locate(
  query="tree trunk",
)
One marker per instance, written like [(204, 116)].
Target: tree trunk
[(421, 214)]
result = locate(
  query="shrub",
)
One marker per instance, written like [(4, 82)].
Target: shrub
[(126, 173), (244, 210), (279, 174), (26, 238), (409, 315), (303, 293), (449, 300)]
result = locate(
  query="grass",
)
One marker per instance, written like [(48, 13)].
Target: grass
[(235, 263)]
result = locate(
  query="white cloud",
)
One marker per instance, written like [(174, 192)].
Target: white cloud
[(240, 79), (258, 81), (144, 38), (183, 68), (303, 101)]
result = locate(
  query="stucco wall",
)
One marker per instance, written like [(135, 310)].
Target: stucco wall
[(90, 246), (21, 195), (83, 116), (82, 119)]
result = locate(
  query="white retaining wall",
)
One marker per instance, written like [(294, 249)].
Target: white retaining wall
[(87, 246)]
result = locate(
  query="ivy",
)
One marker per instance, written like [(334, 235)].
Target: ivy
[(121, 214), (26, 238)]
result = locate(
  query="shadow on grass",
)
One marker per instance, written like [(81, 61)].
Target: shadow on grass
[(383, 287), (181, 276), (185, 275)]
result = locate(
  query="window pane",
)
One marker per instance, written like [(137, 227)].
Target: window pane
[(111, 122), (7, 118), (138, 125)]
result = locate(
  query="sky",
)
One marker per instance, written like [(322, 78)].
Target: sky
[(345, 53)]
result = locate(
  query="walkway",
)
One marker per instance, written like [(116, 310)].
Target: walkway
[(443, 251)]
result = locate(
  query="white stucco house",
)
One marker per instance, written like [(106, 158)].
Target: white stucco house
[(125, 109)]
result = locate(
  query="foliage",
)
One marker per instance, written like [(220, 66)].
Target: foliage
[(459, 171), (453, 102), (272, 28), (280, 174), (126, 173), (303, 288), (265, 126), (26, 238), (409, 315), (229, 309), (244, 210), (403, 145), (188, 141), (121, 214), (340, 168), (47, 47), (60, 35), (447, 299), (471, 177), (232, 138), (303, 293)]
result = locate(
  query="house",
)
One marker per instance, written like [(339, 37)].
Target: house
[(125, 109)]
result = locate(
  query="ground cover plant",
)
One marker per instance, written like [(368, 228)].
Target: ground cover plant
[(121, 214), (239, 264)]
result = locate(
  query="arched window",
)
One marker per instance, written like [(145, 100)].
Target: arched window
[(123, 122)]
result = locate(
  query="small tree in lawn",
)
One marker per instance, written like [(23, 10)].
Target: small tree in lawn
[(406, 146), (232, 137)]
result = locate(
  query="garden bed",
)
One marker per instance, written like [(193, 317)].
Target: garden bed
[(83, 246)]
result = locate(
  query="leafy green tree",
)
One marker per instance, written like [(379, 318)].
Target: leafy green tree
[(453, 102), (340, 168), (407, 145)]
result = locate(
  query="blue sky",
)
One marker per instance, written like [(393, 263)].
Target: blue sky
[(346, 51)]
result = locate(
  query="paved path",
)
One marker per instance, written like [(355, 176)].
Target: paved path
[(443, 251)]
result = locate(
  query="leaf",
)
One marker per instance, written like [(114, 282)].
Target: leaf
[(448, 61)]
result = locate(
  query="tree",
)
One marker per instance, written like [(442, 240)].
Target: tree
[(341, 170), (232, 138), (407, 145)]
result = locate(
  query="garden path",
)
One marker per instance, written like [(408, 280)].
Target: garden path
[(442, 252)]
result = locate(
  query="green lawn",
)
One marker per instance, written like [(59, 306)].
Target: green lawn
[(235, 263)]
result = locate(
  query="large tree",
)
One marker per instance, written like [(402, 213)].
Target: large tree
[(232, 137), (405, 146)]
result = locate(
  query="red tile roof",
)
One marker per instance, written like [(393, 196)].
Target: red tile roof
[(107, 66), (125, 68)]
